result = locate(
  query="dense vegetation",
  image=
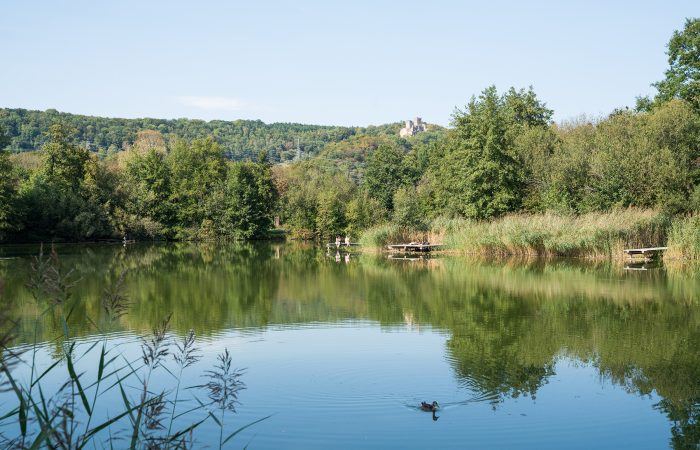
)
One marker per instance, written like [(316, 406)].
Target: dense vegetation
[(186, 190), (240, 139), (503, 155)]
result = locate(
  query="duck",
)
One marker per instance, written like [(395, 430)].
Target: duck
[(429, 406)]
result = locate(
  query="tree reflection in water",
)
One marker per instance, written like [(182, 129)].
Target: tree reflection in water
[(508, 322)]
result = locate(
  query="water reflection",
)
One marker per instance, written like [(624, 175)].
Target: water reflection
[(508, 323)]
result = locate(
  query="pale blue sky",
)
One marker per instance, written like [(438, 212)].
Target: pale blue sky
[(322, 62)]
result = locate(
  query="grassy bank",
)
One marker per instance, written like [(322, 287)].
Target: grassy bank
[(684, 239), (380, 236), (593, 235)]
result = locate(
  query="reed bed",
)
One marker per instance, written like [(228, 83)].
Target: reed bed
[(592, 235), (684, 239)]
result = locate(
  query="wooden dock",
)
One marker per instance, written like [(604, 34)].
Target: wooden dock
[(333, 245), (646, 254), (413, 247)]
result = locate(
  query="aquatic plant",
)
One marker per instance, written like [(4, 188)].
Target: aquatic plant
[(69, 417), (592, 235), (684, 238)]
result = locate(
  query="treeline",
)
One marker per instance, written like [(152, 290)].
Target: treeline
[(176, 190), (505, 155), (240, 139)]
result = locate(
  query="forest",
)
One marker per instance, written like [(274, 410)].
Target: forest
[(503, 158), (240, 139)]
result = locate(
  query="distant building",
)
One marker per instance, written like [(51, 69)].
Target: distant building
[(412, 127)]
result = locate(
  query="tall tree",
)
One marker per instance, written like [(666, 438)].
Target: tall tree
[(196, 168), (242, 206), (148, 189), (8, 189), (385, 173), (64, 161), (683, 75), (480, 175)]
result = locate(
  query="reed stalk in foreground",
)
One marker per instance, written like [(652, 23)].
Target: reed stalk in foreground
[(70, 418)]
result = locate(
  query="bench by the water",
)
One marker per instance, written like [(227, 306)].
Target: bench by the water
[(413, 247), (645, 253)]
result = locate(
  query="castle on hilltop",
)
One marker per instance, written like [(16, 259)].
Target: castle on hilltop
[(412, 127)]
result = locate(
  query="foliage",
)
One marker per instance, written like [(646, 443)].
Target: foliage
[(480, 175), (588, 235), (241, 205), (240, 139), (683, 75), (314, 199), (8, 190), (386, 172), (407, 209), (684, 239), (363, 212)]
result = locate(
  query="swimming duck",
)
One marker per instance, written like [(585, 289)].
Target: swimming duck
[(429, 406)]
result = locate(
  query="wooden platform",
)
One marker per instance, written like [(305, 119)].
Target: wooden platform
[(646, 254), (643, 251), (408, 258), (413, 247), (331, 245)]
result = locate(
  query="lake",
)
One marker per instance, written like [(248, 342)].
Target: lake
[(340, 351)]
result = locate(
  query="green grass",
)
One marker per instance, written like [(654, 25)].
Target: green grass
[(381, 235), (593, 235), (684, 238)]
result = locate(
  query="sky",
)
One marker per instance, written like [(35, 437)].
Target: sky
[(352, 63)]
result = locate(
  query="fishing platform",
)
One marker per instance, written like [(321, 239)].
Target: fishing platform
[(414, 247), (347, 245), (646, 254)]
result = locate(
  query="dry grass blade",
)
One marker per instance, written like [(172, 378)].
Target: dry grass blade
[(114, 300), (187, 353), (224, 383), (48, 280), (155, 348)]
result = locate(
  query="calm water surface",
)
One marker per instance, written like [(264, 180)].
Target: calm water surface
[(556, 354)]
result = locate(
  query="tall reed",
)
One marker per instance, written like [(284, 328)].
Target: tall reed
[(684, 239), (592, 235), (70, 417)]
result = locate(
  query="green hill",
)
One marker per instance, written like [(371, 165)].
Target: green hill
[(241, 139)]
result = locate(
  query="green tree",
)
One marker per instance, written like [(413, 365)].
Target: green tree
[(8, 189), (362, 212), (683, 75), (385, 173), (196, 169), (242, 206), (407, 209), (647, 159), (63, 160), (148, 188), (480, 175), (330, 216)]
